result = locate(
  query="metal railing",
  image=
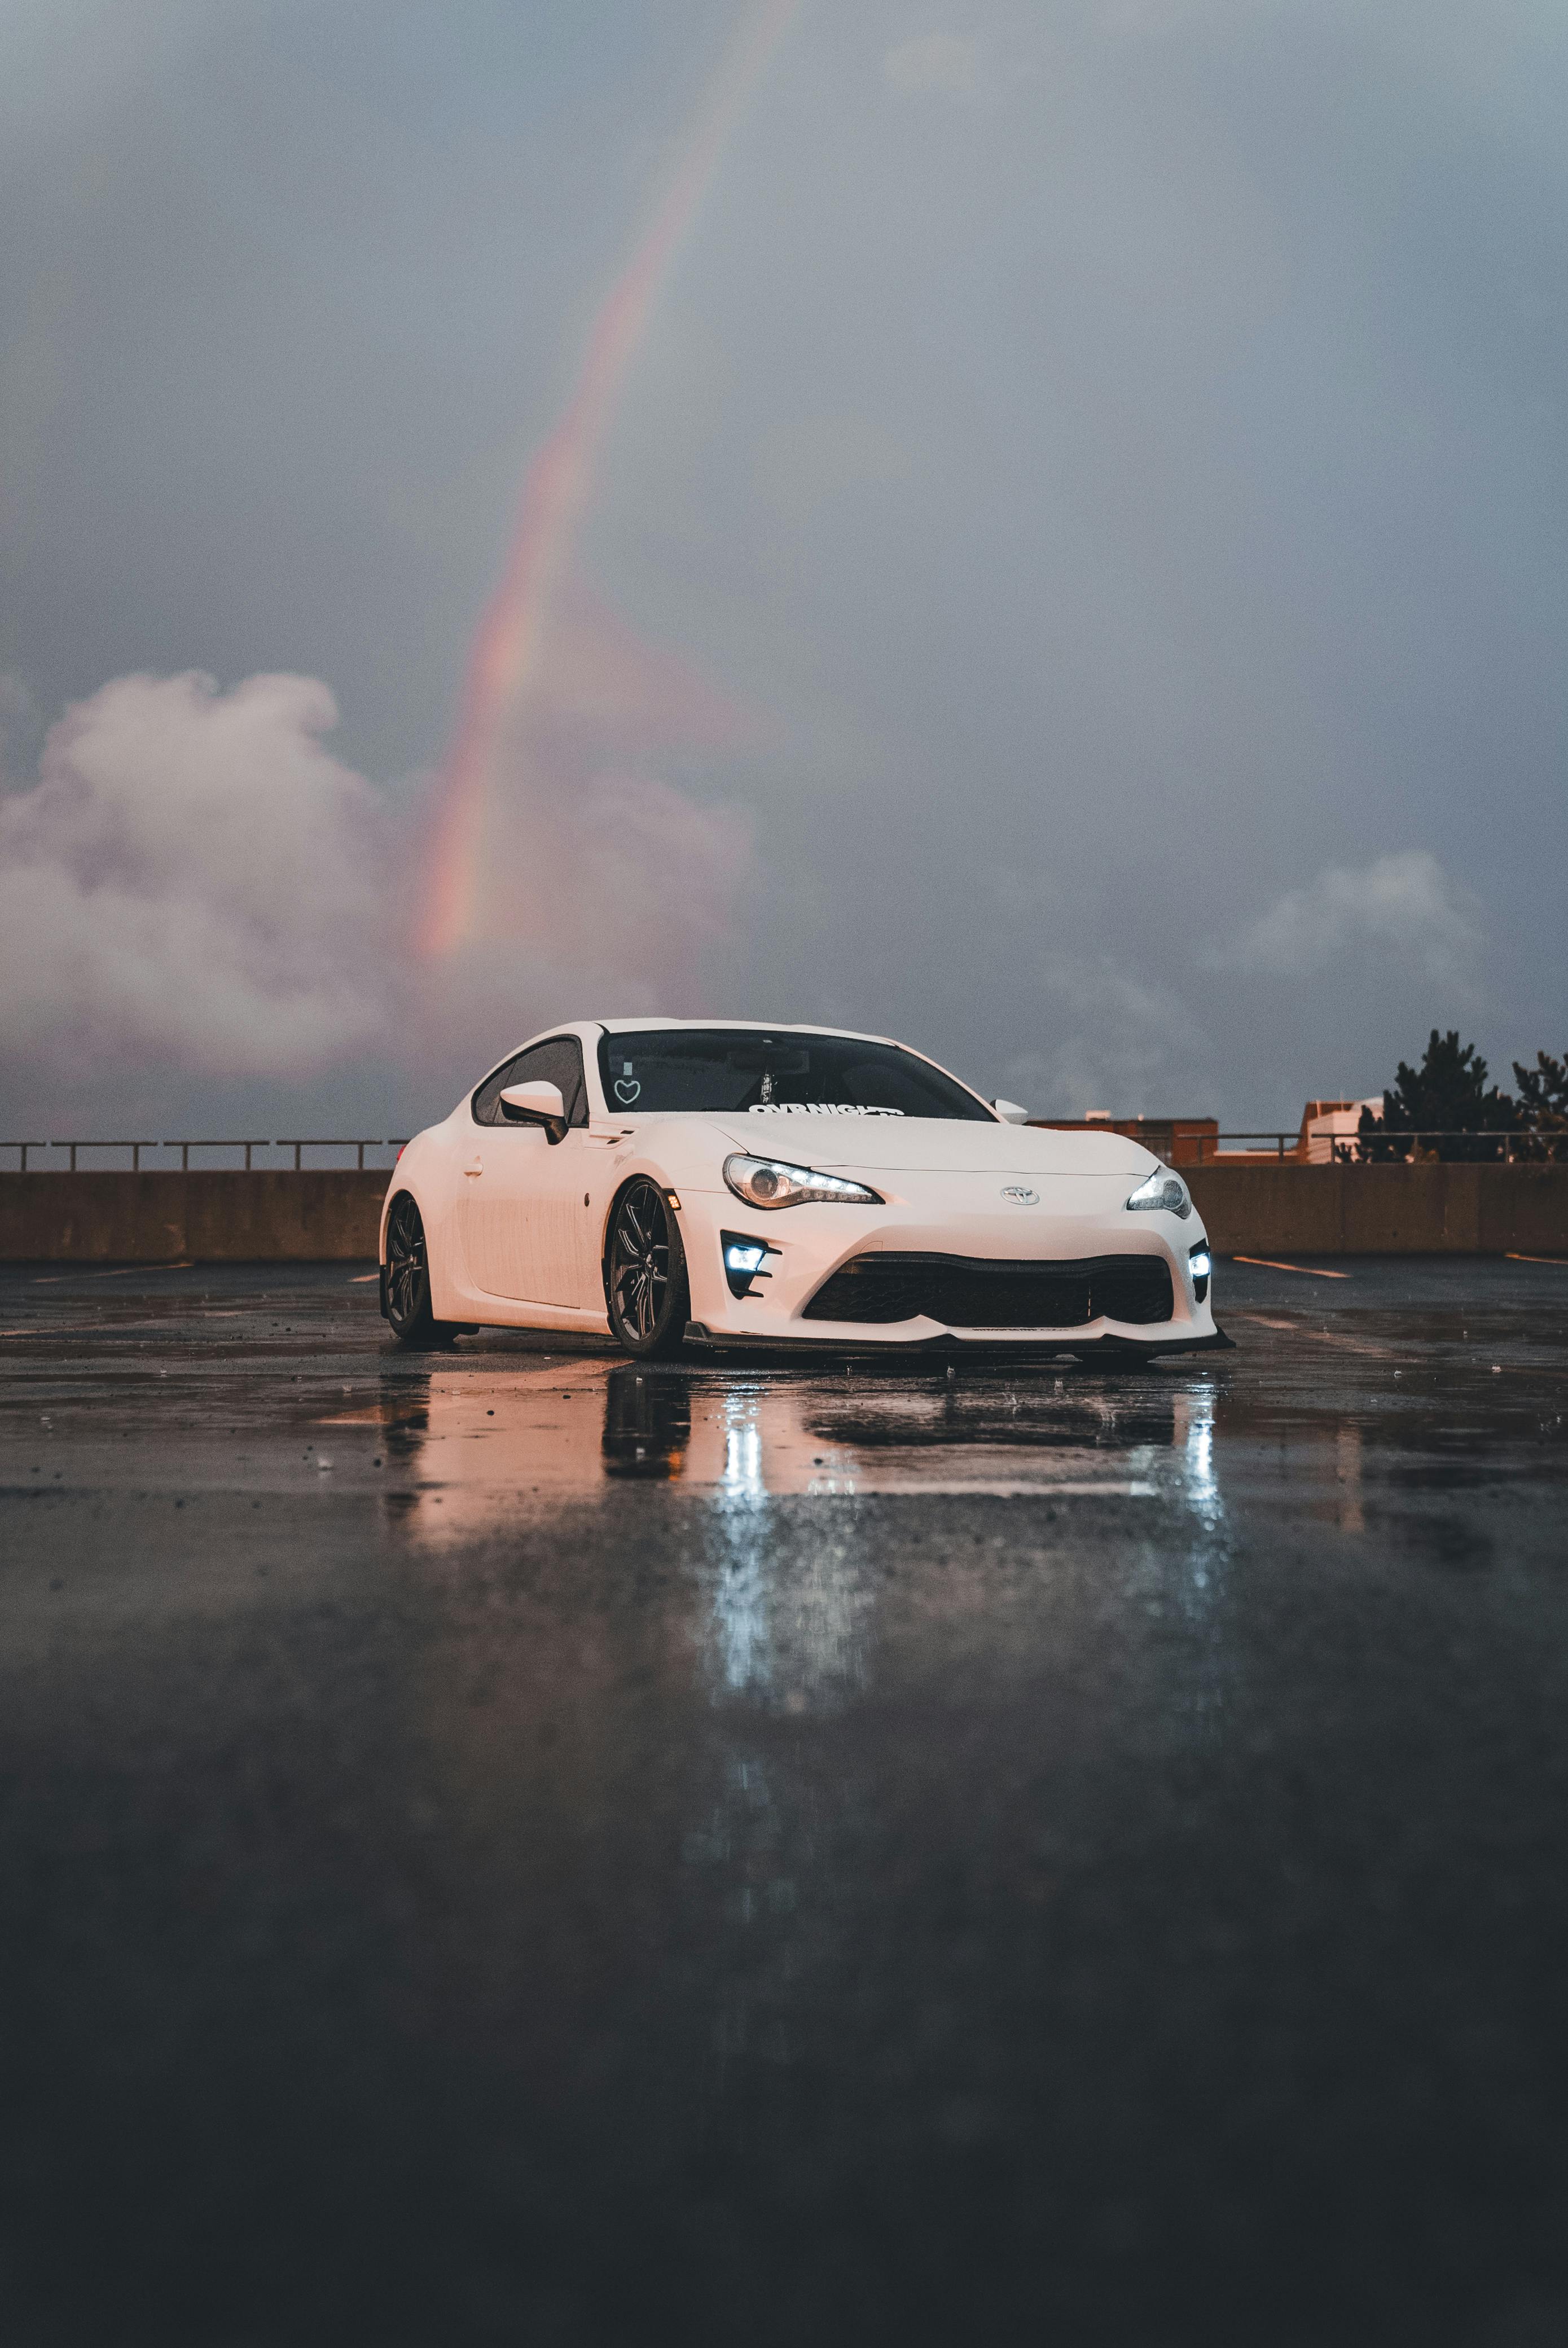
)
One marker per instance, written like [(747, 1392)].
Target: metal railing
[(361, 1145), (1348, 1148), (1210, 1141), (298, 1145), (1388, 1146)]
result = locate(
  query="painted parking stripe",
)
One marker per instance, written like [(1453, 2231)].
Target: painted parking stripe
[(1312, 1271)]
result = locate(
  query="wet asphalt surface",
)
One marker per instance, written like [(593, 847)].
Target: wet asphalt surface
[(498, 1847)]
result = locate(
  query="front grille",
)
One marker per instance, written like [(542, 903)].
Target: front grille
[(977, 1292)]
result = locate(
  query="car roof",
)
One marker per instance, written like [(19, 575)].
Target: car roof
[(650, 1024)]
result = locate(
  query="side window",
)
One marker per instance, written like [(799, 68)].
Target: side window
[(559, 1062)]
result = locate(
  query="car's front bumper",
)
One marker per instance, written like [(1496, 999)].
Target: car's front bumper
[(808, 1244), (828, 1337)]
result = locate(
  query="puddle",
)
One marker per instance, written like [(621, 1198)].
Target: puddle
[(480, 1443)]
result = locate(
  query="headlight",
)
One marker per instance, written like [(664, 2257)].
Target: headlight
[(766, 1182), (1163, 1192)]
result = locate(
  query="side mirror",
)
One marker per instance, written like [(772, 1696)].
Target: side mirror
[(537, 1104), (1008, 1111)]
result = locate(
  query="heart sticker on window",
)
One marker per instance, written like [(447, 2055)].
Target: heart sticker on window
[(626, 1090)]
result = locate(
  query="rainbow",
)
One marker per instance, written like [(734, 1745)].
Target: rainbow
[(504, 662)]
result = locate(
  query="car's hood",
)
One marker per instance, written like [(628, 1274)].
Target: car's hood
[(935, 1145)]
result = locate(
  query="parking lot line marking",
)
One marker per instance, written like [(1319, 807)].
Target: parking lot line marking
[(121, 1272), (358, 1279), (63, 1328), (1560, 1260), (1311, 1270)]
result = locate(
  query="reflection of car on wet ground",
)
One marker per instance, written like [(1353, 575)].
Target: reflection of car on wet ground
[(522, 1428), (782, 1189)]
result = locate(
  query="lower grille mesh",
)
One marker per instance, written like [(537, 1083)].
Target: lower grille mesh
[(978, 1292)]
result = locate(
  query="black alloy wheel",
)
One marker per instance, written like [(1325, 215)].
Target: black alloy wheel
[(408, 1279), (645, 1283)]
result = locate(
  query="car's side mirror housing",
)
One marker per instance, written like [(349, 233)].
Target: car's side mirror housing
[(1010, 1113), (537, 1104)]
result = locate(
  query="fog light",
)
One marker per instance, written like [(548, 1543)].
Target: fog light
[(743, 1260), (1200, 1264)]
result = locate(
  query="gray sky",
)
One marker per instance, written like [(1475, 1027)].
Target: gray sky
[(1110, 455)]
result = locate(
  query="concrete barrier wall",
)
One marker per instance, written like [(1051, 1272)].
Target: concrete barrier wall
[(329, 1216), (1383, 1209), (208, 1217)]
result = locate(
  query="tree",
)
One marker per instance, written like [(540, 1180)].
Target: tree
[(1445, 1099), (1543, 1102)]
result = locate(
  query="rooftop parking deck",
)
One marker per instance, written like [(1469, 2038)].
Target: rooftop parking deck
[(510, 1845)]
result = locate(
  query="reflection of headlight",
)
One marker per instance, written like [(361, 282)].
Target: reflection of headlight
[(1162, 1192), (765, 1182)]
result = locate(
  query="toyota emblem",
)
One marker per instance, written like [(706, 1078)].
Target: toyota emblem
[(1019, 1195)]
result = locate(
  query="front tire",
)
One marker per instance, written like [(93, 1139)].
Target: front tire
[(408, 1312), (645, 1284)]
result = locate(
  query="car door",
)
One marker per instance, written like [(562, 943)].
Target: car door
[(524, 1224)]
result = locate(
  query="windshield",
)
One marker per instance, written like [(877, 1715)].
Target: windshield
[(745, 1069)]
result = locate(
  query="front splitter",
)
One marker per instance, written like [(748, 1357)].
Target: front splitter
[(702, 1339)]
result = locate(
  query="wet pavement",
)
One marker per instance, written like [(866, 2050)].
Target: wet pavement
[(506, 1847)]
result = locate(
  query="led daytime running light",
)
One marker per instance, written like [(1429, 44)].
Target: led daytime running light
[(768, 1182), (1162, 1193)]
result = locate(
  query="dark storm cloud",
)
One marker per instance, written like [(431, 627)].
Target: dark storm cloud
[(1118, 447)]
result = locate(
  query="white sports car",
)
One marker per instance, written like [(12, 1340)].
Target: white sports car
[(781, 1189)]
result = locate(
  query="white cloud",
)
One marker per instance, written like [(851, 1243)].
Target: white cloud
[(1402, 905), (932, 61), (194, 878), (193, 885), (1113, 1044)]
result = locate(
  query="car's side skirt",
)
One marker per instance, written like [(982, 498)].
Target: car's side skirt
[(509, 1312)]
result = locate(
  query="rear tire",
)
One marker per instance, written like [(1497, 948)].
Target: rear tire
[(646, 1285), (409, 1311)]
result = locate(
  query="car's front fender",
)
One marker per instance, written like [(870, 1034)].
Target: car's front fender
[(426, 1171)]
